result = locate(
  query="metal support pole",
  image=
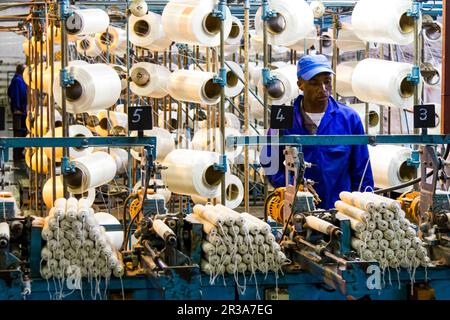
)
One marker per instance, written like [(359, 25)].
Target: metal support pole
[(382, 107), (128, 101), (445, 98), (246, 107), (366, 114), (417, 63), (64, 62), (222, 104), (52, 107), (335, 51), (265, 91)]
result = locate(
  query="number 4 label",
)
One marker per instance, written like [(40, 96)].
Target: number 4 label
[(281, 117)]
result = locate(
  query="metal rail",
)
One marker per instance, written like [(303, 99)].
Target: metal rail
[(339, 140)]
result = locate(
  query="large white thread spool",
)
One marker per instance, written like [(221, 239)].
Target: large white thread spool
[(118, 122), (234, 86), (138, 8), (149, 80), (91, 171), (255, 73), (87, 21), (122, 73), (191, 172), (383, 82), (256, 107), (284, 89), (348, 41), (234, 191), (147, 32), (306, 43), (121, 158), (164, 143), (75, 130), (114, 39), (192, 22), (200, 141), (374, 116), (344, 73), (325, 42), (172, 118), (236, 32), (88, 47), (232, 121), (96, 87), (47, 192), (294, 20), (256, 42), (194, 86), (389, 166), (384, 21)]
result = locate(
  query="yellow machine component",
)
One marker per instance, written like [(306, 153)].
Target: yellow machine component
[(274, 204), (136, 204), (410, 204), (135, 207)]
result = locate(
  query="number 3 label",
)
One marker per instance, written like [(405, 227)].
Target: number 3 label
[(423, 114)]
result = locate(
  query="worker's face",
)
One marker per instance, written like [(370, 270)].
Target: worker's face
[(317, 89)]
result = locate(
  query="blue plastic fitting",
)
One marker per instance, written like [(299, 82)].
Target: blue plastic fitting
[(66, 79), (414, 161), (415, 10), (220, 11), (66, 167), (267, 77), (267, 13), (414, 77), (222, 165), (221, 78)]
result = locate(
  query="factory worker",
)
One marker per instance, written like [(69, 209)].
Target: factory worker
[(17, 93), (335, 168)]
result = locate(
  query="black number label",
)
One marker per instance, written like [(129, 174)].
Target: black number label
[(140, 118), (281, 117), (424, 116)]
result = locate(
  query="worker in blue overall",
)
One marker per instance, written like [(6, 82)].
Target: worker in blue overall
[(17, 93), (335, 168)]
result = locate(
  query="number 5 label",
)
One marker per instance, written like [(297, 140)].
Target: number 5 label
[(140, 118)]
